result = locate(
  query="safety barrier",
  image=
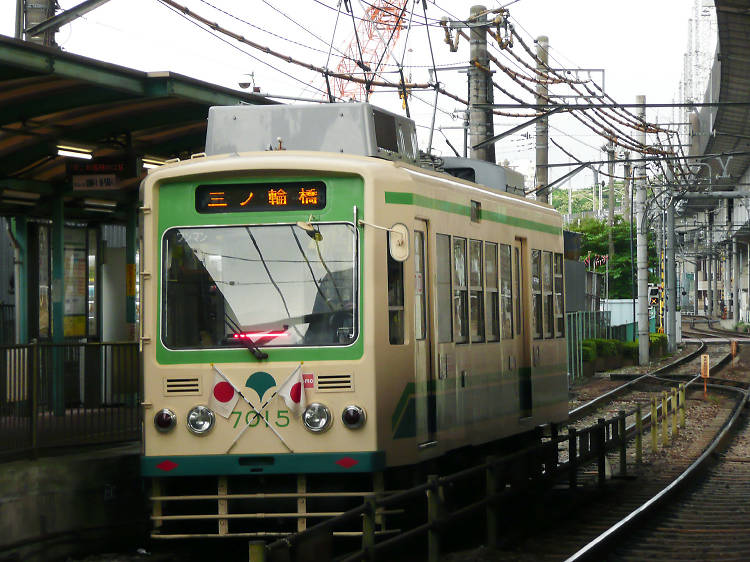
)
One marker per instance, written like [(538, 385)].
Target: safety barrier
[(67, 395), (486, 487)]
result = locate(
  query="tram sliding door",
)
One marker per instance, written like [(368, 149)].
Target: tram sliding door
[(423, 340), (521, 303)]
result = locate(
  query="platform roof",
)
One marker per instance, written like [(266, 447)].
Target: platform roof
[(727, 127), (50, 98)]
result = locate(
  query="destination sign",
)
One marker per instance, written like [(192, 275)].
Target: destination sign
[(250, 197)]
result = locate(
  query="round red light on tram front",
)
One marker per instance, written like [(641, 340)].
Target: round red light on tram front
[(353, 417), (165, 420)]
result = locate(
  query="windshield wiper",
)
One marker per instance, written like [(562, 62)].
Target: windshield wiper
[(251, 346)]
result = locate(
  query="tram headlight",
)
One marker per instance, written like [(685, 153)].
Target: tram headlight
[(317, 417), (165, 420), (200, 420), (353, 417)]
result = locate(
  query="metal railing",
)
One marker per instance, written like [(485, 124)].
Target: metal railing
[(582, 326), (67, 395)]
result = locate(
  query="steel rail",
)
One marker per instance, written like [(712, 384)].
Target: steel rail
[(584, 409), (594, 547)]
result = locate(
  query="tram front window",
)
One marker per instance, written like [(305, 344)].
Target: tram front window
[(277, 285)]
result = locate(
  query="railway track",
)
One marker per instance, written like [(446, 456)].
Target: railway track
[(595, 518)]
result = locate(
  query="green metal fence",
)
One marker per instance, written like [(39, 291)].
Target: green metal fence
[(67, 395), (582, 326)]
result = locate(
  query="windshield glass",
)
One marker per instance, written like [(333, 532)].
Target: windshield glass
[(276, 285)]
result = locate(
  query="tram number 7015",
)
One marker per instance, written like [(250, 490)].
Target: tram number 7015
[(252, 418)]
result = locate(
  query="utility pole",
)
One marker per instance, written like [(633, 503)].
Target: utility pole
[(480, 88), (593, 191), (542, 126), (642, 242), (671, 273), (611, 216)]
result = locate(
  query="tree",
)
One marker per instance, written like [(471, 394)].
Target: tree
[(594, 242)]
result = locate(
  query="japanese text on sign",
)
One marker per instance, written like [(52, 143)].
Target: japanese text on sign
[(282, 196)]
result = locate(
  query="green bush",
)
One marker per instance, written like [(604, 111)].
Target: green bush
[(605, 348), (630, 349), (588, 349), (657, 343)]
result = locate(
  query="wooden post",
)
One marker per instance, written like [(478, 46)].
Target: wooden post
[(638, 435), (257, 551), (623, 442), (601, 451), (675, 431), (433, 517), (573, 456), (493, 512), (664, 420), (682, 405), (368, 524), (654, 425)]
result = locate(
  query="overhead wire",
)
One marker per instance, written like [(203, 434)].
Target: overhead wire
[(167, 5)]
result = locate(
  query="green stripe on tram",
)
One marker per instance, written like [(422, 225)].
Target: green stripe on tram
[(406, 198)]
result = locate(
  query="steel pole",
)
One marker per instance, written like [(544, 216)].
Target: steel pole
[(709, 267), (735, 282), (642, 243), (611, 210)]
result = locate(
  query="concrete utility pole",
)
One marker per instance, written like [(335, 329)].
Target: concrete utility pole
[(481, 125), (642, 242), (593, 191), (626, 194), (611, 216), (542, 126), (671, 276), (735, 282)]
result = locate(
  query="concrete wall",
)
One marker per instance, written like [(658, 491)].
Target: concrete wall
[(97, 494)]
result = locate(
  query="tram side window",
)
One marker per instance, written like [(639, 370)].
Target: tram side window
[(506, 290), (476, 292), (493, 297), (395, 300), (559, 298), (536, 292), (460, 289), (549, 315), (444, 318)]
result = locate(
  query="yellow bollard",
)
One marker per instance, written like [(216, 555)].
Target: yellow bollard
[(664, 420), (675, 431), (682, 405), (654, 424)]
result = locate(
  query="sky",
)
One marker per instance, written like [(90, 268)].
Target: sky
[(639, 44)]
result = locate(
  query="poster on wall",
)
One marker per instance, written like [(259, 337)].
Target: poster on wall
[(75, 292)]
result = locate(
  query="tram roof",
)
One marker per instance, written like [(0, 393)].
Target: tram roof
[(50, 98)]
